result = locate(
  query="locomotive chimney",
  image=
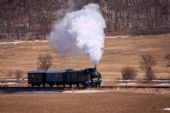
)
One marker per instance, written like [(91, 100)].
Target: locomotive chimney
[(95, 67)]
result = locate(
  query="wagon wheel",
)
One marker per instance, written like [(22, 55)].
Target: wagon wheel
[(43, 85), (78, 86), (51, 85)]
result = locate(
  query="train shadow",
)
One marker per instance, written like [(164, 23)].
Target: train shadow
[(8, 90)]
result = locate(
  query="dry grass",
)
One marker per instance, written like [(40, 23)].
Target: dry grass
[(118, 53), (111, 102)]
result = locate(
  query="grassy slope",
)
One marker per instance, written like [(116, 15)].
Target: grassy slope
[(118, 53)]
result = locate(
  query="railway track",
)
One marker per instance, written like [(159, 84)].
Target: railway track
[(61, 89)]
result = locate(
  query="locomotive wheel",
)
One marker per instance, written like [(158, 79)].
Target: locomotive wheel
[(84, 85), (99, 84)]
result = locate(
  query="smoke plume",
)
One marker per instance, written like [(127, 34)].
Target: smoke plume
[(81, 32)]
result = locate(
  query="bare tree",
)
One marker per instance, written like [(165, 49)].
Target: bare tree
[(128, 73), (167, 57), (148, 61), (9, 74), (18, 74), (44, 61)]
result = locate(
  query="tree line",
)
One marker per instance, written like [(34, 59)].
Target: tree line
[(33, 19)]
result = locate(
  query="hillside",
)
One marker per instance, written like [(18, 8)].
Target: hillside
[(118, 52), (34, 19)]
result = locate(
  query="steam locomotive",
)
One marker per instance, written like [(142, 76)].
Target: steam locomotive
[(86, 78)]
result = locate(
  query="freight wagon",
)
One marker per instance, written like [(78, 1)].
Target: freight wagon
[(86, 78)]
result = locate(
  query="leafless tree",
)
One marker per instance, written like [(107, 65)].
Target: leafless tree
[(167, 57), (9, 74), (128, 73), (44, 61), (148, 61), (18, 74)]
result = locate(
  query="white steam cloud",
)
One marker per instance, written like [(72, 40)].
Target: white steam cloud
[(79, 32)]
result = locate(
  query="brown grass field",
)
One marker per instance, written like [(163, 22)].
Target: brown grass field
[(108, 102), (118, 53)]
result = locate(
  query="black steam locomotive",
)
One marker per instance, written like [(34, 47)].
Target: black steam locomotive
[(86, 78)]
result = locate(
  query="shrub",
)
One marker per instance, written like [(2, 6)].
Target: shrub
[(129, 73)]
